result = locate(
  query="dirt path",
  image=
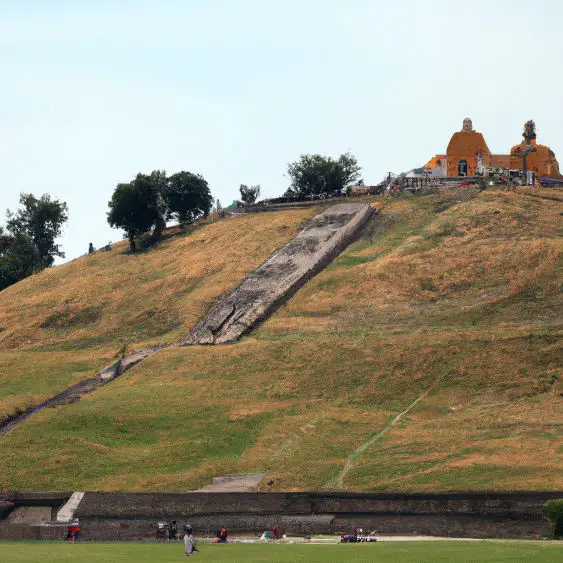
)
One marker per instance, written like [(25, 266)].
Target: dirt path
[(338, 482)]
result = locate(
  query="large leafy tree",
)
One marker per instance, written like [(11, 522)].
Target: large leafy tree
[(42, 221), (137, 206), (316, 175), (28, 243), (249, 194), (19, 258), (187, 197)]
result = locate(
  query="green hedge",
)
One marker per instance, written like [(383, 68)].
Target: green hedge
[(553, 511)]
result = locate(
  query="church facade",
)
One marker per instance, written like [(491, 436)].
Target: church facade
[(467, 154)]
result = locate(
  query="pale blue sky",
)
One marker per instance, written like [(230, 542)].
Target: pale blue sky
[(95, 91)]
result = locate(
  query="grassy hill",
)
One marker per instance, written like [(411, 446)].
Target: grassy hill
[(62, 325), (426, 357)]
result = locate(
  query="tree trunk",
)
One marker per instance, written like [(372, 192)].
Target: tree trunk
[(132, 245), (159, 226)]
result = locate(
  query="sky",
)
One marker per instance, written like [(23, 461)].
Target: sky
[(95, 91)]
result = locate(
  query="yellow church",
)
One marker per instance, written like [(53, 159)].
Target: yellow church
[(468, 155)]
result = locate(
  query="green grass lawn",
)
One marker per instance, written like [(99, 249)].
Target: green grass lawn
[(432, 551)]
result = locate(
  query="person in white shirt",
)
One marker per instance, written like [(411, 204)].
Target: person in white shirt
[(189, 546)]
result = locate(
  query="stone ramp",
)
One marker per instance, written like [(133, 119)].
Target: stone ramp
[(265, 289), (252, 301), (66, 513)]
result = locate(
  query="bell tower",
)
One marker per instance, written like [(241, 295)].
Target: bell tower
[(529, 132), (467, 125)]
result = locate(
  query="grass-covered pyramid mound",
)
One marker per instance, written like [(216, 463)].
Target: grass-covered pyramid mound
[(451, 298)]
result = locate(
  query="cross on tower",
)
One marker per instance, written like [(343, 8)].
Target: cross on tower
[(529, 132)]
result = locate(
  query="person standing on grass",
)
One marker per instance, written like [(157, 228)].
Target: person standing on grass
[(189, 546), (172, 530)]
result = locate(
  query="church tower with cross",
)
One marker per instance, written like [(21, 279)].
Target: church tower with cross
[(538, 158), (468, 155)]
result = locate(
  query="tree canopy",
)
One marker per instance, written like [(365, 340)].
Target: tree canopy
[(187, 197), (42, 220), (27, 245), (249, 194), (317, 175), (136, 207), (150, 199)]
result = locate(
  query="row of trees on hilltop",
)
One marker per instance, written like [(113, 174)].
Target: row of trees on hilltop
[(27, 244), (150, 200), (315, 175), (147, 202)]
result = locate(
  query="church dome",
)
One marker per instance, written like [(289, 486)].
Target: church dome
[(465, 149)]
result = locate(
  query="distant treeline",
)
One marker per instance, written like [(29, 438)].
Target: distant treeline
[(27, 243)]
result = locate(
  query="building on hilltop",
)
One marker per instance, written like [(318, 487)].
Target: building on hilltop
[(539, 159), (468, 155), (437, 165)]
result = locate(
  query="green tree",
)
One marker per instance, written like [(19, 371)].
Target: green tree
[(249, 194), (137, 207), (552, 510), (316, 175), (19, 258), (187, 197), (159, 183), (41, 220)]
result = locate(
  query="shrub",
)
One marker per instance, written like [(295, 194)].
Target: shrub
[(552, 510)]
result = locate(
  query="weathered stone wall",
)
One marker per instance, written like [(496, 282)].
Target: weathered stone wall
[(261, 292), (289, 205), (30, 532), (34, 515), (123, 516), (26, 516), (53, 499), (6, 508)]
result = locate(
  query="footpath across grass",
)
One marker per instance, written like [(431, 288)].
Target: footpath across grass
[(396, 552)]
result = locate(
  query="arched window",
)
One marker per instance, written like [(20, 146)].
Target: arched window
[(462, 168)]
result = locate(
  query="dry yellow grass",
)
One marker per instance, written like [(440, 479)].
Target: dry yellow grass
[(459, 292), (59, 326)]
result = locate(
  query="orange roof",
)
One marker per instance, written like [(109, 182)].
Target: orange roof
[(435, 161), (465, 143)]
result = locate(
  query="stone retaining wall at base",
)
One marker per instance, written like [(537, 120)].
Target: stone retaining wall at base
[(28, 532), (128, 517)]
